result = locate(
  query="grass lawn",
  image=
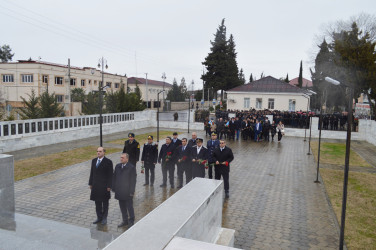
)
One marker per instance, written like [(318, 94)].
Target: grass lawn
[(39, 165), (334, 153), (360, 227), (142, 138)]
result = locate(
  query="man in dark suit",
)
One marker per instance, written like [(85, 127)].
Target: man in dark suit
[(232, 127), (266, 128), (132, 148), (124, 185), (223, 156), (149, 159), (258, 129), (199, 155), (166, 157), (211, 145), (100, 183), (183, 156), (176, 142), (192, 142)]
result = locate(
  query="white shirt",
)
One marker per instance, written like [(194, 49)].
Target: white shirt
[(198, 149), (99, 160)]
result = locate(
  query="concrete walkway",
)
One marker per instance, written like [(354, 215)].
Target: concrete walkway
[(273, 204)]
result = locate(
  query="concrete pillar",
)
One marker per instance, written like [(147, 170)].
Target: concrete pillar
[(7, 204)]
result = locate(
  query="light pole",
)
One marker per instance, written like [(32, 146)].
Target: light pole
[(162, 91), (347, 159), (146, 90), (102, 63), (308, 96), (164, 79)]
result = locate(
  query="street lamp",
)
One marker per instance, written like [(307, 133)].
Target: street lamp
[(162, 91), (164, 79), (307, 95), (347, 159), (102, 63)]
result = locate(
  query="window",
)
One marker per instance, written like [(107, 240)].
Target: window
[(247, 102), (292, 104), (108, 84), (271, 103), (117, 85), (95, 82), (89, 81), (8, 78), (27, 78), (83, 83), (259, 103), (73, 81), (45, 78), (59, 80), (59, 98)]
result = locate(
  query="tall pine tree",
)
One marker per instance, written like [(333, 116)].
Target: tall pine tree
[(300, 79), (251, 78)]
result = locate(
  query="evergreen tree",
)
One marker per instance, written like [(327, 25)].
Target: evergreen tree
[(233, 71), (287, 78), (78, 95), (6, 53), (122, 100), (112, 102), (183, 89), (49, 106), (31, 109), (175, 94), (300, 79), (92, 104), (241, 76), (251, 78)]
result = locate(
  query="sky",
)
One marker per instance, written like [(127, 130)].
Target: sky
[(170, 36)]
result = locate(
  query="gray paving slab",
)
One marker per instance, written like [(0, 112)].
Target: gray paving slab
[(273, 199)]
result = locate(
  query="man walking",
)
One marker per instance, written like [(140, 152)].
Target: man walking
[(166, 157), (223, 156), (149, 159), (124, 185), (199, 155), (183, 155), (100, 183), (211, 145), (132, 148)]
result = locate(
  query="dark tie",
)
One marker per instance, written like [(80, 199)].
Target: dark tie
[(98, 162)]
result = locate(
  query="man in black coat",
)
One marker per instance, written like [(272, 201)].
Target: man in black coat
[(223, 156), (176, 142), (100, 183), (124, 185), (211, 145), (199, 155), (149, 159), (183, 156), (192, 142), (166, 157), (132, 148)]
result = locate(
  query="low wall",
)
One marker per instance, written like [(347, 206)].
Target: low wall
[(194, 212), (7, 204)]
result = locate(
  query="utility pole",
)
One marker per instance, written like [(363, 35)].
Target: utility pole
[(146, 91), (164, 79), (69, 91), (203, 87)]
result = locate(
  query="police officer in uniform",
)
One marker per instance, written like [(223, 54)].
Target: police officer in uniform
[(149, 158), (132, 148)]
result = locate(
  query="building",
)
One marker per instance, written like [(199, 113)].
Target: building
[(150, 90), (267, 93), (18, 79), (306, 83)]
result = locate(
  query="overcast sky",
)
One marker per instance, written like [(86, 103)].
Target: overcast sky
[(145, 36)]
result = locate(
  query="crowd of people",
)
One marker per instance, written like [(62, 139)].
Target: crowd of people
[(189, 156)]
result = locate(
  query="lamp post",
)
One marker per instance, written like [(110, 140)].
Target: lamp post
[(308, 95), (162, 91), (310, 135), (347, 160), (164, 79), (102, 63), (146, 90)]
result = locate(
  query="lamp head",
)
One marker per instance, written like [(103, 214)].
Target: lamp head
[(332, 81)]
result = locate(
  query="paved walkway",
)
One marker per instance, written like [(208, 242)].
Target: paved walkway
[(273, 202)]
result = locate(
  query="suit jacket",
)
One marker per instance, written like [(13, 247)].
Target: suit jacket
[(165, 150), (211, 148), (177, 143), (191, 142), (186, 153), (222, 156), (124, 181), (150, 153), (203, 155), (100, 179), (259, 128)]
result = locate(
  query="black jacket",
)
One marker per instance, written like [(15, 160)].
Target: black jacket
[(167, 150), (150, 153), (133, 150), (100, 179), (124, 181), (222, 156)]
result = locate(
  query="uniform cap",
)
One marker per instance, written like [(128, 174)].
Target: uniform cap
[(131, 135), (150, 137)]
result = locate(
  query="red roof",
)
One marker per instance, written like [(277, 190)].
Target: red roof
[(306, 83), (138, 80), (269, 85)]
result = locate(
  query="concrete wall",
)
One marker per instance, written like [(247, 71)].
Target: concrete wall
[(7, 204), (367, 129), (18, 139), (194, 212)]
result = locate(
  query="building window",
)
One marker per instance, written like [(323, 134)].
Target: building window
[(8, 78), (89, 81), (259, 103), (292, 104), (108, 84), (27, 78), (83, 83), (117, 85), (73, 81), (247, 103), (271, 103), (95, 82), (58, 80), (45, 79), (59, 98)]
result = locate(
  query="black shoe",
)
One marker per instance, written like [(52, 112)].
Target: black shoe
[(227, 195), (104, 222), (124, 223), (97, 221), (163, 185), (146, 184), (131, 224)]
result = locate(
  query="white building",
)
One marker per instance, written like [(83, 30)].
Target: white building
[(267, 93)]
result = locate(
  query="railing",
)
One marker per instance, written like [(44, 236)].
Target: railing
[(21, 128)]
